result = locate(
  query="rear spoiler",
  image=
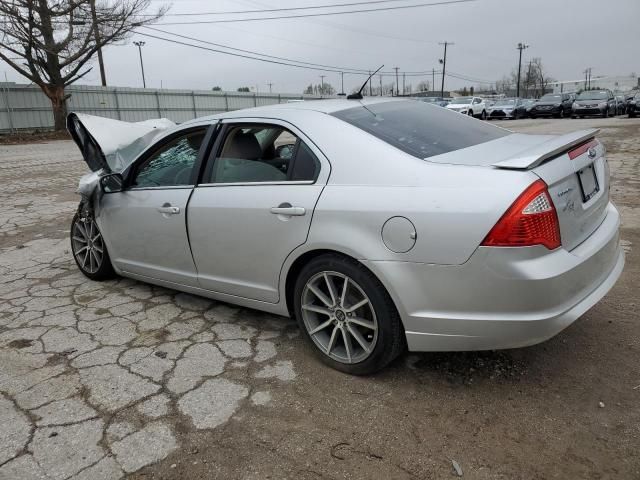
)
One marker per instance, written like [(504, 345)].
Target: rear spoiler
[(534, 156)]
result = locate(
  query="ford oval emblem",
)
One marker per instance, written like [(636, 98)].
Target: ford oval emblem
[(592, 152)]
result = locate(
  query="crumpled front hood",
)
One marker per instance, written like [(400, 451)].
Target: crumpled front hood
[(111, 145)]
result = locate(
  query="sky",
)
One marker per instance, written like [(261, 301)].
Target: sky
[(569, 36)]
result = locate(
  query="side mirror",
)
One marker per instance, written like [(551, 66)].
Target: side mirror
[(112, 182)]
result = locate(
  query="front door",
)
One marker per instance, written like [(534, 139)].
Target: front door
[(145, 225), (253, 208)]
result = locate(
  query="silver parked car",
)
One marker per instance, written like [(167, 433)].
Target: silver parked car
[(379, 224)]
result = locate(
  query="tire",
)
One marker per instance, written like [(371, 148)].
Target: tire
[(95, 265), (483, 115), (574, 117), (561, 113), (533, 116), (470, 113), (383, 343)]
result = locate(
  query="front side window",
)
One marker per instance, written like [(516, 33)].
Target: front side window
[(172, 164), (263, 153)]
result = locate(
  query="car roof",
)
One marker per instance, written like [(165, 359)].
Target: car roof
[(328, 106)]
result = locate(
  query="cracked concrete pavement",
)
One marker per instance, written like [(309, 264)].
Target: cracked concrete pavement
[(123, 379)]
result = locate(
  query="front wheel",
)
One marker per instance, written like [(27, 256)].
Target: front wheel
[(88, 248), (347, 316)]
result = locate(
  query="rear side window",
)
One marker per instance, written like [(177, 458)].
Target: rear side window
[(420, 129)]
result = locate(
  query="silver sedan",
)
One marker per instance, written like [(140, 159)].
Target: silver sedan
[(380, 225)]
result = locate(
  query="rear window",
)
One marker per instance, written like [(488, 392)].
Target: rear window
[(420, 129)]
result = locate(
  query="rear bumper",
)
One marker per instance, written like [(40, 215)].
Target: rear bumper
[(503, 297)]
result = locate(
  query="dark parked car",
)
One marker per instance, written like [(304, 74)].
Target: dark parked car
[(524, 109), (552, 105), (594, 102), (504, 108), (633, 107)]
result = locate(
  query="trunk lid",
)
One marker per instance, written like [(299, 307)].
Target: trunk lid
[(111, 145), (577, 174), (579, 212)]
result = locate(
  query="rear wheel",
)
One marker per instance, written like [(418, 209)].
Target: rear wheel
[(347, 316), (88, 248)]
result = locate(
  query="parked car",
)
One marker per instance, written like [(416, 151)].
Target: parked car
[(379, 224), (441, 102), (633, 107), (621, 104), (552, 105), (472, 106), (594, 102), (524, 109), (504, 108)]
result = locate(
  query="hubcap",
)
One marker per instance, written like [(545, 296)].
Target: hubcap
[(87, 244), (339, 317)]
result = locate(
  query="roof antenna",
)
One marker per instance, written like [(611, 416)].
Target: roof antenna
[(358, 96)]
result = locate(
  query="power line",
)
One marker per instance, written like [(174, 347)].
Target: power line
[(321, 14), (287, 9), (355, 70), (348, 70)]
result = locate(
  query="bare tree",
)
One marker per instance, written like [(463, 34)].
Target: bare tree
[(423, 86), (50, 42)]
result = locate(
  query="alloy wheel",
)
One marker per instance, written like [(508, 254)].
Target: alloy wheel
[(87, 244), (339, 317)]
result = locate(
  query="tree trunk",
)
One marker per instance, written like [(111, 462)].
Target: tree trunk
[(58, 105)]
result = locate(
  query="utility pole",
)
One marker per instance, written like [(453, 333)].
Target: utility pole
[(404, 79), (341, 83), (270, 85), (444, 65), (521, 47), (589, 81), (140, 45), (322, 84), (381, 92), (397, 84), (370, 86), (96, 34), (433, 79)]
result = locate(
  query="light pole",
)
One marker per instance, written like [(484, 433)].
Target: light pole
[(521, 47), (140, 45), (341, 83), (397, 84), (444, 65), (322, 84)]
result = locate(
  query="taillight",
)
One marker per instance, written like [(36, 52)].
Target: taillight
[(530, 220), (580, 149)]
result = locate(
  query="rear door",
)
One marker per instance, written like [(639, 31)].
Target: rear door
[(145, 225), (254, 206)]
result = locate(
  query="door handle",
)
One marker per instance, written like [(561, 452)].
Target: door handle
[(288, 210), (168, 209)]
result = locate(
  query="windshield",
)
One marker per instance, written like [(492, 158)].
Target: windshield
[(418, 129), (505, 102), (551, 98), (594, 95), (462, 100)]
